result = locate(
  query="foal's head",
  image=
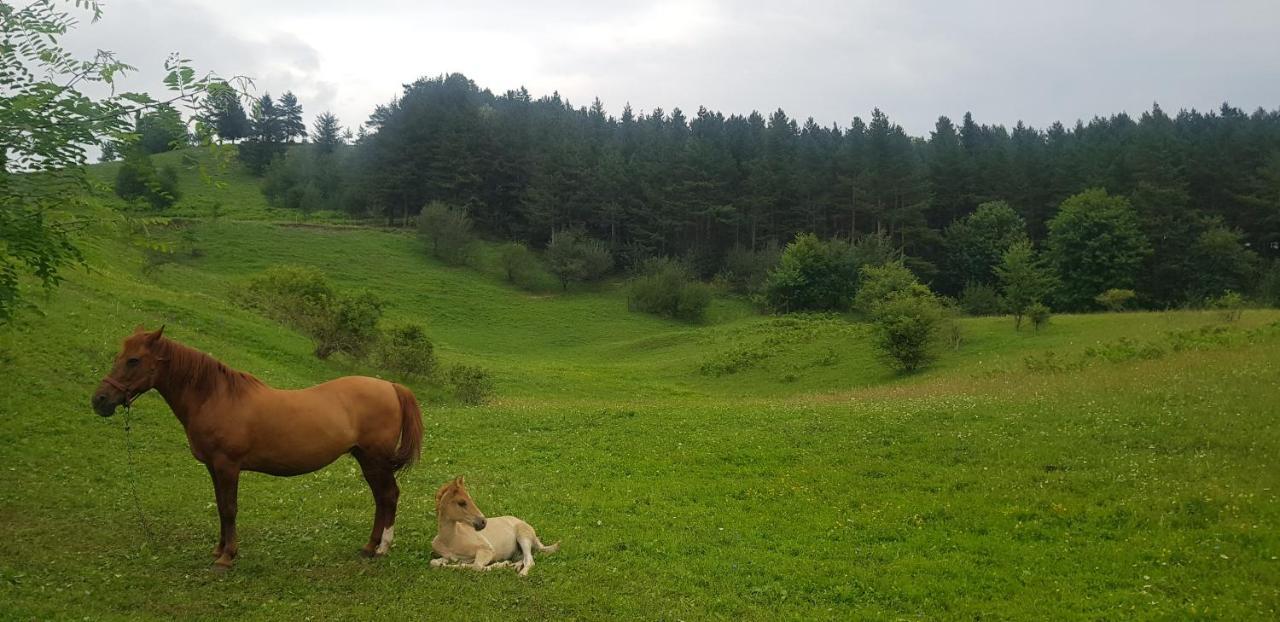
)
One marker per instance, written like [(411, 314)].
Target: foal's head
[(133, 373), (454, 505)]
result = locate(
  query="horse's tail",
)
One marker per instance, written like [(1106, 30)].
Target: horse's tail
[(410, 429)]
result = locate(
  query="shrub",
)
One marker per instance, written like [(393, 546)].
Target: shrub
[(471, 385), (880, 284), (447, 231), (981, 299), (666, 288), (1230, 306), (304, 299), (1115, 299), (733, 361), (407, 351), (518, 263), (573, 256), (1039, 315), (138, 179), (906, 330), (812, 275), (350, 325), (1124, 349)]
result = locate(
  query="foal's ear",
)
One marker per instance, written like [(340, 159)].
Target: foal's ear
[(154, 337)]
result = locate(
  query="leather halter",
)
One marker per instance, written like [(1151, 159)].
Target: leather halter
[(129, 395)]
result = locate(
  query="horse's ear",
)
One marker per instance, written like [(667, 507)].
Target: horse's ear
[(462, 480), (154, 337)]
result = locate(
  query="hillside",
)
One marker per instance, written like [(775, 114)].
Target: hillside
[(1112, 465)]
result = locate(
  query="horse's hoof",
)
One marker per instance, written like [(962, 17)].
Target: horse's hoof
[(220, 568), (368, 552)]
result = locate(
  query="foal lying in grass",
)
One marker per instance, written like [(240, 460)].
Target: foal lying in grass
[(466, 537)]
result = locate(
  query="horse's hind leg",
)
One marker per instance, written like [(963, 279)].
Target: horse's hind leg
[(382, 483)]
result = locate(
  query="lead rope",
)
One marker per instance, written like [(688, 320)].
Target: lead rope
[(133, 477)]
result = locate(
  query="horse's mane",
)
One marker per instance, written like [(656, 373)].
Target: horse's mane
[(202, 374)]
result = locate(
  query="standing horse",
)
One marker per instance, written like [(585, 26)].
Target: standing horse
[(235, 422)]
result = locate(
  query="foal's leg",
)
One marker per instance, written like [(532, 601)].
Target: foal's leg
[(377, 473), (226, 478)]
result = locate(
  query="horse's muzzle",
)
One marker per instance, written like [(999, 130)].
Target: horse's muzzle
[(104, 405), (479, 524)]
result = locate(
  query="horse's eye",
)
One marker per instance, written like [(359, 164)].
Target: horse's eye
[(132, 362), (462, 504)]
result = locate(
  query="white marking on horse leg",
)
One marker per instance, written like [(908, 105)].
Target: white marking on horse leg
[(388, 536)]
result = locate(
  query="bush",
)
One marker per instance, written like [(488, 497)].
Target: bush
[(1230, 306), (139, 180), (350, 325), (666, 288), (304, 299), (906, 331), (518, 263), (981, 299), (573, 256), (1115, 299), (880, 284), (447, 231), (471, 385), (1039, 315), (406, 350), (812, 275)]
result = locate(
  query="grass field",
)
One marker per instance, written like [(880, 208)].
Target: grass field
[(1112, 466)]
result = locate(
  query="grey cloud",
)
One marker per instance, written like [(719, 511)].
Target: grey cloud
[(1003, 60)]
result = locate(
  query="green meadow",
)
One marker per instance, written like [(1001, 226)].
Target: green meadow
[(1110, 466)]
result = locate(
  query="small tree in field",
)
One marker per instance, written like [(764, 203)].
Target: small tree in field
[(573, 257), (1039, 315), (1026, 281), (1115, 300), (908, 318), (447, 231), (907, 330), (517, 261)]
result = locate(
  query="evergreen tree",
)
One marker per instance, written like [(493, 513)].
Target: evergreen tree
[(327, 134), (222, 111), (290, 117)]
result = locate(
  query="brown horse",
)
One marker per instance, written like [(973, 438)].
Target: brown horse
[(235, 422)]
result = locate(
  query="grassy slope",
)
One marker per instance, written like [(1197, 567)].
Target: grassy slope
[(1140, 489)]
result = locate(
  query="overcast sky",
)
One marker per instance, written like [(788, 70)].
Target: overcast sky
[(1005, 61)]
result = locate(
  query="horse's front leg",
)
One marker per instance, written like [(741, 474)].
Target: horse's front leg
[(217, 496), (226, 483)]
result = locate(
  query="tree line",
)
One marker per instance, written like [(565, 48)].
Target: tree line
[(1192, 200)]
